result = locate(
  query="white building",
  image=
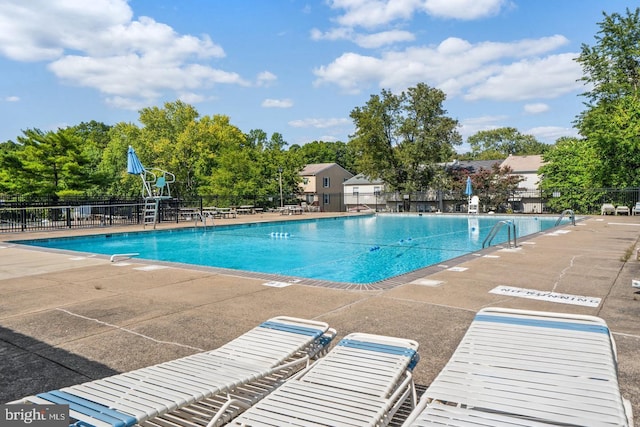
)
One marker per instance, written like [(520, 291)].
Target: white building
[(363, 193), (527, 198)]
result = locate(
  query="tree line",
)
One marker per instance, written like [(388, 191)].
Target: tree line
[(403, 138)]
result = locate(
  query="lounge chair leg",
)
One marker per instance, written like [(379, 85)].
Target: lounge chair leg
[(224, 407)]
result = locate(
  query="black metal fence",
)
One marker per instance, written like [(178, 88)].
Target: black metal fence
[(22, 214), (43, 214)]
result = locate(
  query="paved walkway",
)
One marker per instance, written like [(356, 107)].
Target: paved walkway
[(65, 319)]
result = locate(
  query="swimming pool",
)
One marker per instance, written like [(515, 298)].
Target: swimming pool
[(359, 250)]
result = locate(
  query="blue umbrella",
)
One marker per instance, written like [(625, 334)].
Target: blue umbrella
[(468, 191), (133, 163)]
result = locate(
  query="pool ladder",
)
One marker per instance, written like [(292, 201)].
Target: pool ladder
[(496, 228), (199, 216), (570, 214)]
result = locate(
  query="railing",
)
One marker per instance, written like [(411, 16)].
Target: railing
[(496, 228), (564, 213), (41, 218), (49, 217), (199, 216)]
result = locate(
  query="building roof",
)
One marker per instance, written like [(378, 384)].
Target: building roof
[(521, 164), (362, 179), (474, 166), (315, 168)]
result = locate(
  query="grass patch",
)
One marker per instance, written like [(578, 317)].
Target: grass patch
[(628, 253)]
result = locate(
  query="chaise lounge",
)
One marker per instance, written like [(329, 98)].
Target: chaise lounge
[(281, 346), (527, 368), (622, 210), (362, 381), (607, 209)]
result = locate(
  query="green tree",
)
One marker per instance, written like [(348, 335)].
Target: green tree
[(611, 67), (568, 174), (231, 170), (327, 152), (50, 164), (611, 121), (500, 143), (493, 186), (9, 163), (93, 138), (400, 138), (161, 131), (114, 161), (275, 163)]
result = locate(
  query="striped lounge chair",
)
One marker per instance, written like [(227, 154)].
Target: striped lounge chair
[(527, 368), (279, 347)]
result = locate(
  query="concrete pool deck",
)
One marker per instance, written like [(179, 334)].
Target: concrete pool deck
[(66, 319)]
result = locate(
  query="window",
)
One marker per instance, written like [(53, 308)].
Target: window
[(326, 199), (376, 191), (355, 191), (325, 182), (305, 181)]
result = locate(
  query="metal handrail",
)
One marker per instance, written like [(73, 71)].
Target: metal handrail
[(568, 212), (494, 231), (199, 216)]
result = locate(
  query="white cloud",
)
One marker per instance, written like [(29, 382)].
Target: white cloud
[(126, 103), (548, 77), (277, 103), (463, 9), (12, 99), (373, 13), (97, 44), (191, 98), (368, 41), (141, 80), (473, 125), (486, 70), (536, 108), (383, 38), (334, 34), (42, 29), (550, 134), (319, 123), (266, 78)]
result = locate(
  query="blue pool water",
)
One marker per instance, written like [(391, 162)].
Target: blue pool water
[(354, 250)]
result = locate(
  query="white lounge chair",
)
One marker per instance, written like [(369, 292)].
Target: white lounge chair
[(362, 381), (636, 209), (622, 210), (473, 205), (278, 345), (607, 208), (526, 368)]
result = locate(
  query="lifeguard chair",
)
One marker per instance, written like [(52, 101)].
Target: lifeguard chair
[(155, 186)]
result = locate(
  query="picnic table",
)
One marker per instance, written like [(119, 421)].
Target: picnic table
[(291, 210)]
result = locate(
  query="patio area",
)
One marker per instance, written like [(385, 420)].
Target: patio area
[(66, 319)]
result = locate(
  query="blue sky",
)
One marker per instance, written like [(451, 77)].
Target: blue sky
[(291, 66)]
